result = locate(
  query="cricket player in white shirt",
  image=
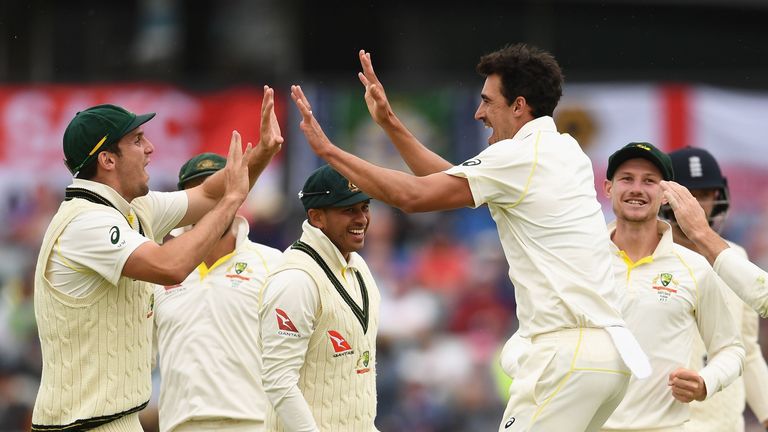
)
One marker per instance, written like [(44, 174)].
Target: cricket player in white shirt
[(207, 329), (539, 187), (698, 170), (94, 298), (320, 317), (669, 293)]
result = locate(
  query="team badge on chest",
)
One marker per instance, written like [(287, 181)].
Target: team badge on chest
[(665, 286)]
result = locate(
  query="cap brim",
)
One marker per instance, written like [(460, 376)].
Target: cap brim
[(628, 153), (138, 121), (185, 180), (354, 199)]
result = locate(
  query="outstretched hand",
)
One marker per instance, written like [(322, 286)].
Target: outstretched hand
[(316, 138), (236, 181), (271, 139), (375, 97)]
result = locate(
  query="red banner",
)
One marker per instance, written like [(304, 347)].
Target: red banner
[(33, 120)]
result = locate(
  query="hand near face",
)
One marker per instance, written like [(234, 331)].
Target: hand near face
[(688, 212), (375, 98)]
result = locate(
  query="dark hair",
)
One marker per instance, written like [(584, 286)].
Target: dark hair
[(528, 72), (89, 170)]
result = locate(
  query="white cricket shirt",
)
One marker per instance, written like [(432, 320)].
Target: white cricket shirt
[(666, 297), (96, 244), (724, 411), (747, 280), (540, 189), (207, 331)]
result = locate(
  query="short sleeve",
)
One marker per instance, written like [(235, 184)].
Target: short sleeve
[(100, 241), (497, 175), (166, 210)]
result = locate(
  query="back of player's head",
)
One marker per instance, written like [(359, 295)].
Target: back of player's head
[(526, 71), (199, 167), (697, 169)]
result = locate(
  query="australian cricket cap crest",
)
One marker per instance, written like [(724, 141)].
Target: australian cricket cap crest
[(325, 187), (94, 129), (641, 150), (201, 165)]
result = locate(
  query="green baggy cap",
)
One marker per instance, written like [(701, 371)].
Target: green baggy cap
[(325, 187), (203, 164), (96, 128), (641, 150)]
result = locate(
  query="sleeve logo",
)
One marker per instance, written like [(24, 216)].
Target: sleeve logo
[(285, 325), (471, 162), (114, 235)]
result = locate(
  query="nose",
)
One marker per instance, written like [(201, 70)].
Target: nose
[(480, 112), (149, 148)]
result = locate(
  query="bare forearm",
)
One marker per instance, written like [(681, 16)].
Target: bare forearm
[(213, 187), (419, 158), (389, 186), (173, 261)]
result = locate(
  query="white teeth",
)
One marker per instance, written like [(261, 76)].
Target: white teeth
[(635, 202), (487, 126), (356, 231)]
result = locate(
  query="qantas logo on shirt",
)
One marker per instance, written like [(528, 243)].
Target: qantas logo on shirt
[(285, 325), (340, 345)]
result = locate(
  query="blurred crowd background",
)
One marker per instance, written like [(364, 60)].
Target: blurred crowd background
[(673, 72)]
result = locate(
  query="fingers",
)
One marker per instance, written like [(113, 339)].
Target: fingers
[(235, 147), (365, 62), (363, 79), (301, 102), (267, 101)]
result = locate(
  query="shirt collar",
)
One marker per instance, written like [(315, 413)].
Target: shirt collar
[(330, 253), (543, 123), (106, 192), (240, 228)]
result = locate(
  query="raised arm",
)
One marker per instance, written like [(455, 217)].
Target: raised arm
[(437, 191), (692, 221), (203, 197), (746, 279), (419, 158), (171, 262)]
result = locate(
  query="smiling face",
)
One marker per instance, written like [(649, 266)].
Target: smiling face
[(497, 114), (344, 226), (131, 164), (635, 191)]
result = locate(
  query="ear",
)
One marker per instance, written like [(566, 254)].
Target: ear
[(520, 106), (316, 218), (106, 160), (607, 187)]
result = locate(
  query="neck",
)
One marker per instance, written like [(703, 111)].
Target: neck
[(636, 239), (224, 246), (109, 181)]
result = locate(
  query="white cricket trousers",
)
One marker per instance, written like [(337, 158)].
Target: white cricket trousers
[(569, 381)]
